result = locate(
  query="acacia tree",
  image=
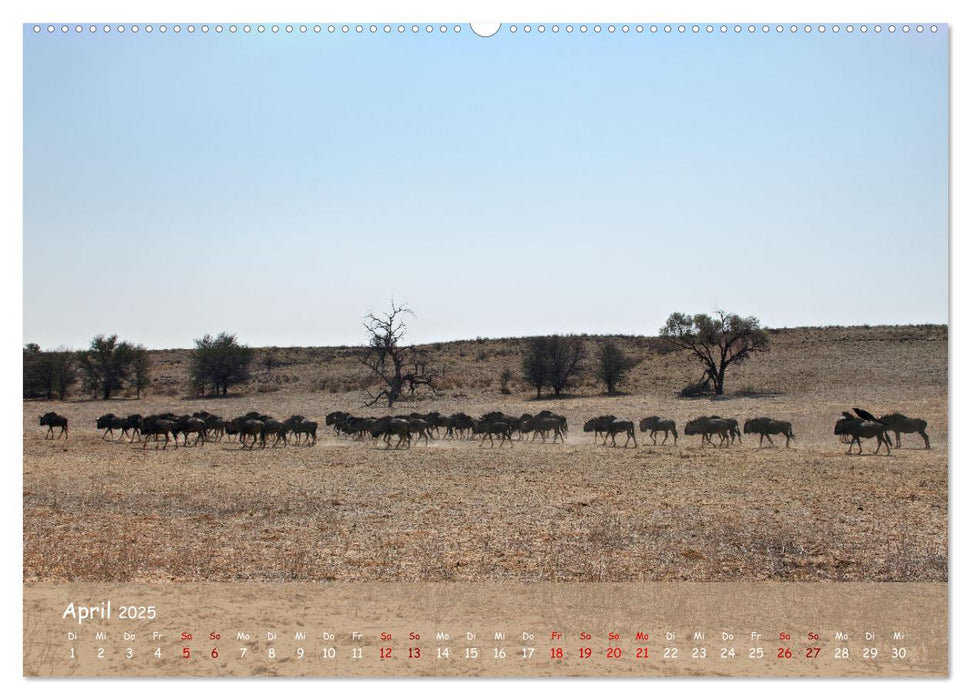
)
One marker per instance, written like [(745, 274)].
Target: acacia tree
[(554, 361), (219, 363), (612, 365), (141, 370), (398, 367), (48, 373), (717, 342), (105, 365)]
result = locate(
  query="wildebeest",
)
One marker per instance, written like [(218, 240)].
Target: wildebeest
[(557, 417), (251, 427), (276, 428), (133, 423), (190, 424), (419, 427), (766, 428), (487, 428), (462, 423), (656, 425), (858, 428), (900, 423), (215, 427), (388, 426), (706, 426), (308, 428), (155, 426), (733, 431), (543, 425), (620, 426), (598, 426), (109, 422), (53, 420), (335, 419)]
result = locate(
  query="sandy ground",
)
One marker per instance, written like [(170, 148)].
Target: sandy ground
[(454, 510)]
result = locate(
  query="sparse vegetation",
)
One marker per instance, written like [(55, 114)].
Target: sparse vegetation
[(347, 511), (504, 378)]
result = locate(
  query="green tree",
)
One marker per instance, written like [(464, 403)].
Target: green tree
[(612, 365), (717, 342), (48, 374), (141, 370), (218, 363), (554, 361), (105, 365)]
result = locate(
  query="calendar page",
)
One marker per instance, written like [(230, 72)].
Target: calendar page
[(503, 350)]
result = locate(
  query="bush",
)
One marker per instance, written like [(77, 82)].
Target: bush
[(695, 389)]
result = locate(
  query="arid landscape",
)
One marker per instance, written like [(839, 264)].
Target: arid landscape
[(455, 510)]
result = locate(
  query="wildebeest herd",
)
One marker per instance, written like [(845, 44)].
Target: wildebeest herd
[(427, 426), (255, 427), (206, 427)]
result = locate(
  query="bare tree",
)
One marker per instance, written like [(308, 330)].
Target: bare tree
[(399, 367), (717, 341)]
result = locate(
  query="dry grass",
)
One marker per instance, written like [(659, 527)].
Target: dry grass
[(454, 511)]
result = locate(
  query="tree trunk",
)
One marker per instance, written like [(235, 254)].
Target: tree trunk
[(720, 381)]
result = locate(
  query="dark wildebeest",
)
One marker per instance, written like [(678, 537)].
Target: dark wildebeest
[(620, 426), (251, 427), (656, 425), (733, 431), (109, 422), (598, 426), (292, 422), (336, 419), (388, 426), (766, 428), (308, 428), (53, 420), (543, 425), (707, 426), (134, 424), (487, 428), (276, 428), (557, 416), (215, 428), (900, 423), (419, 427), (189, 424), (858, 428), (155, 426), (463, 424)]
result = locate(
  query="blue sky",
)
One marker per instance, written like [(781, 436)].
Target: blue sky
[(281, 186)]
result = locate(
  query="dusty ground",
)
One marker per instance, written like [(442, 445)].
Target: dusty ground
[(455, 511)]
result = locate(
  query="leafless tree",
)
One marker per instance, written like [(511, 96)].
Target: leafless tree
[(400, 368)]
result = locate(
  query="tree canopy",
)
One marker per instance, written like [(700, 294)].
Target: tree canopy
[(218, 363), (717, 341)]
